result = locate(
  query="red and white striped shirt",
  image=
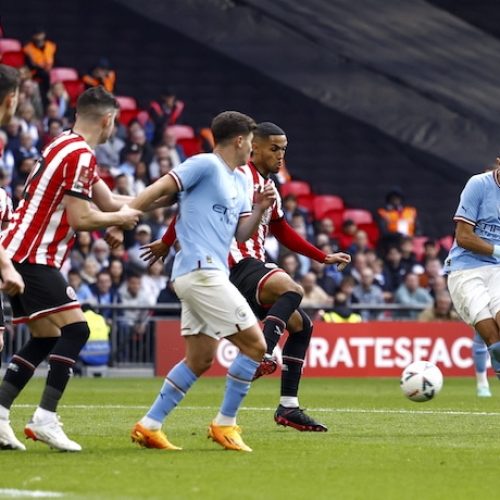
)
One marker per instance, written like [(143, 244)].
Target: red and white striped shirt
[(254, 246), (39, 232)]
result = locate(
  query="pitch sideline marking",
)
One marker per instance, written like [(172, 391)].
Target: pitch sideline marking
[(259, 408), (14, 493)]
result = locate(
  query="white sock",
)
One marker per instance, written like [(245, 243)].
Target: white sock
[(150, 423), (482, 379), (221, 419), (289, 401), (42, 415), (4, 413)]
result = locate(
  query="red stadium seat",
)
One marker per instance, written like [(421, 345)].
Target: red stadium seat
[(13, 58), (446, 242), (418, 246), (127, 115), (74, 88), (327, 203), (181, 131), (126, 102), (10, 45), (191, 146), (306, 201), (298, 188), (63, 74), (337, 217), (358, 215), (372, 230)]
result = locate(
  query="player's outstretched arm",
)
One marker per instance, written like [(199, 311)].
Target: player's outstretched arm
[(164, 186), (82, 217), (248, 225)]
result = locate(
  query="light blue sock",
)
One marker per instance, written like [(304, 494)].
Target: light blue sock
[(239, 377), (479, 353), (495, 357), (177, 382)]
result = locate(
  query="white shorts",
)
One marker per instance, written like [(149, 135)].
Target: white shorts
[(211, 304), (476, 293)]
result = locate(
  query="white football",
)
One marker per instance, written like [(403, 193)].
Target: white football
[(421, 381)]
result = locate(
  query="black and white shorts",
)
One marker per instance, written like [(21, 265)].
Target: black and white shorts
[(249, 276), (46, 292)]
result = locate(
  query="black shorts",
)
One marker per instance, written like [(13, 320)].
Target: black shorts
[(46, 292), (248, 276)]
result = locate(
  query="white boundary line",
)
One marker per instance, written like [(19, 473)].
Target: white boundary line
[(260, 408), (14, 493)]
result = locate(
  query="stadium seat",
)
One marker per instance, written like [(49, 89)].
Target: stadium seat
[(63, 74), (306, 201), (372, 230), (10, 45), (191, 146), (358, 215), (127, 102), (181, 131), (13, 58), (327, 203), (298, 188), (337, 217), (74, 88), (446, 242), (418, 246)]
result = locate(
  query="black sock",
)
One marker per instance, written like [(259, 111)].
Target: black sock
[(22, 366), (294, 353), (277, 318), (61, 361)]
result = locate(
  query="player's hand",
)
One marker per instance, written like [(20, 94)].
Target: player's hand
[(12, 281), (154, 251), (130, 217), (113, 236), (266, 197), (339, 258)]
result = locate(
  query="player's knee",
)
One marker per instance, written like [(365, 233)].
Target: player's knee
[(296, 288), (200, 364), (76, 333)]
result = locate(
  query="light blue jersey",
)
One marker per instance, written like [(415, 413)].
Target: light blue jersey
[(479, 206), (212, 198)]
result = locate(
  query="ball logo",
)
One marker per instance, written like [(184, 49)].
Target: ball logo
[(71, 293), (241, 313)]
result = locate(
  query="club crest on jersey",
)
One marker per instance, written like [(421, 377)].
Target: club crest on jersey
[(70, 292)]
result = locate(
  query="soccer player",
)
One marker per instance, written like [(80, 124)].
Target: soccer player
[(273, 295), (473, 264), (214, 208), (11, 279), (56, 203)]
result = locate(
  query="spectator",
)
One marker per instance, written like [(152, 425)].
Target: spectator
[(314, 296), (341, 312), (7, 160), (154, 281), (408, 257), (168, 296), (23, 169), (291, 208), (30, 92), (360, 243), (28, 122), (359, 264), (122, 185), (347, 234), (89, 270), (327, 283), (26, 148), (394, 271), (116, 271), (290, 263), (326, 227), (137, 136), (142, 237), (131, 158), (40, 57), (432, 249), (331, 271), (368, 292), (395, 219), (81, 249), (58, 96), (161, 161), (55, 128), (101, 74), (164, 112), (177, 154), (141, 178), (410, 293), (105, 294), (441, 310), (108, 154), (433, 270), (82, 290), (100, 251), (346, 286)]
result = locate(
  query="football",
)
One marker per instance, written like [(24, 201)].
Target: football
[(421, 381)]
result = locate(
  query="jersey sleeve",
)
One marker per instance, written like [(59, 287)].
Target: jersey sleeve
[(470, 202), (191, 171), (80, 174)]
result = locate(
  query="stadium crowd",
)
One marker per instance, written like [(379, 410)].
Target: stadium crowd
[(392, 262)]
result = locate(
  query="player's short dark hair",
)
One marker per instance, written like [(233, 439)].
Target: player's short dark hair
[(230, 124), (266, 129), (9, 80), (96, 102)]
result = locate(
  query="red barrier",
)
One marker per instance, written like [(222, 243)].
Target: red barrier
[(377, 349)]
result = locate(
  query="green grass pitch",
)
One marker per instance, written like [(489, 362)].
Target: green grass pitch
[(379, 446)]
